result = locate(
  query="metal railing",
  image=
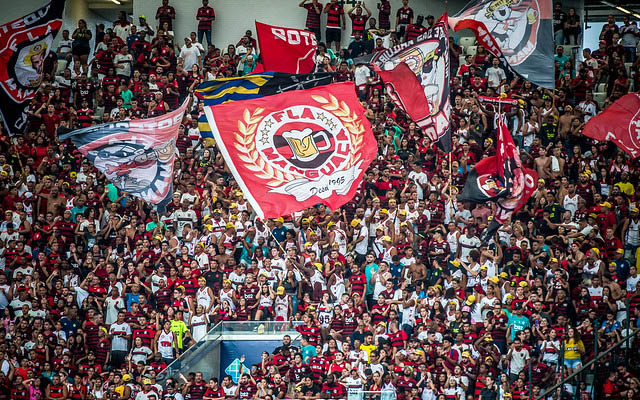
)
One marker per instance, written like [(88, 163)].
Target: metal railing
[(256, 327), (366, 395), (193, 353), (597, 357), (371, 395)]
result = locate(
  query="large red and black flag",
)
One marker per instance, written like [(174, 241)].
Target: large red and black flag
[(519, 32), (24, 45), (136, 156), (416, 75), (293, 150), (619, 123), (501, 179)]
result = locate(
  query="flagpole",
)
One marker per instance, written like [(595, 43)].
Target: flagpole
[(15, 148), (446, 11), (276, 240), (450, 183)]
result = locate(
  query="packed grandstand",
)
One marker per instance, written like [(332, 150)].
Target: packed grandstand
[(394, 295)]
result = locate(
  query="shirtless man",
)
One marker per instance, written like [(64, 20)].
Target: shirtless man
[(543, 164), (55, 201), (417, 272), (564, 122), (557, 170)]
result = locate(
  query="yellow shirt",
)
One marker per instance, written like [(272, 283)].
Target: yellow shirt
[(573, 350), (626, 188), (368, 349)]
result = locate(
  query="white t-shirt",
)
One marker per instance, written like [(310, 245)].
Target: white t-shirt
[(190, 56), (589, 109), (181, 218), (361, 74), (571, 203), (230, 391), (16, 306), (467, 244), (122, 31), (518, 360), (124, 60), (495, 76), (361, 247), (118, 331), (113, 307), (632, 282), (65, 46), (140, 354), (420, 178)]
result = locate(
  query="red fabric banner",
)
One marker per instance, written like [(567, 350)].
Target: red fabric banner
[(286, 49), (294, 150), (619, 123), (406, 91)]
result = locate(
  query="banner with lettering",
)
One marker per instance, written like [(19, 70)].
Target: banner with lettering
[(24, 45), (286, 49), (293, 150)]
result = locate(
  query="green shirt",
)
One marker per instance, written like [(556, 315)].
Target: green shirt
[(152, 225), (113, 192), (517, 324), (368, 271), (179, 328), (308, 352), (397, 133), (126, 97)]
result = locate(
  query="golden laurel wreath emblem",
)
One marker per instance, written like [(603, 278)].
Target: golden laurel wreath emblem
[(248, 153)]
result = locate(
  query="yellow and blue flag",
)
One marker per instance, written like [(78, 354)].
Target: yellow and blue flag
[(253, 86), (204, 128), (258, 85)]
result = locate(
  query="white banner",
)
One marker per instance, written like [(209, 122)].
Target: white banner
[(338, 182)]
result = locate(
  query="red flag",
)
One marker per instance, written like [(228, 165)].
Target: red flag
[(501, 178), (293, 150), (520, 181), (619, 123), (286, 49), (427, 56), (406, 91)]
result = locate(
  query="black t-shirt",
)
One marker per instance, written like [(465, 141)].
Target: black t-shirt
[(488, 394), (559, 19), (282, 348), (357, 48), (310, 390)]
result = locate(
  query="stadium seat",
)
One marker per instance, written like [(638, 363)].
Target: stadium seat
[(599, 97), (570, 51), (62, 64), (461, 59), (471, 50), (98, 114), (601, 87), (467, 41), (627, 66)]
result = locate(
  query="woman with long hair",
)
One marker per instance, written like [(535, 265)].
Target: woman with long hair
[(573, 351), (80, 47)]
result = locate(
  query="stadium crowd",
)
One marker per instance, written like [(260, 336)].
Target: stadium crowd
[(393, 292)]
